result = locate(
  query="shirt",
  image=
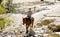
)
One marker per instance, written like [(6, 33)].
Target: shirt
[(29, 13)]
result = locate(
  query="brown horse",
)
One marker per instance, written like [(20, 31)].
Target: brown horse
[(28, 23)]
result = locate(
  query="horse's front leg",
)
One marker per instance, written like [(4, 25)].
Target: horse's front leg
[(27, 29)]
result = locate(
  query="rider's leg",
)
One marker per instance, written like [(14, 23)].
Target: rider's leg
[(30, 19)]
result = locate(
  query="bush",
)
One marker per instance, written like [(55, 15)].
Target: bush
[(4, 22), (2, 10)]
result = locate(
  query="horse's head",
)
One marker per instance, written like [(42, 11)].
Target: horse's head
[(24, 20)]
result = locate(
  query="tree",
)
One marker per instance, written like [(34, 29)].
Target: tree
[(1, 1), (10, 8)]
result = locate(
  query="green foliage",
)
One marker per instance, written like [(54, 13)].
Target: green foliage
[(11, 1), (4, 22), (12, 10), (2, 10), (3, 4), (1, 1)]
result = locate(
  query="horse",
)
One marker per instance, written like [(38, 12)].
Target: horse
[(28, 23)]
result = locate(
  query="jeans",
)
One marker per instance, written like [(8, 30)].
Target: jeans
[(30, 18)]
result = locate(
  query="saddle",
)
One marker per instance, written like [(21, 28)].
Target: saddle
[(30, 19)]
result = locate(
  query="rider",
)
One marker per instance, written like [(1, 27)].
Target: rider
[(29, 13)]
